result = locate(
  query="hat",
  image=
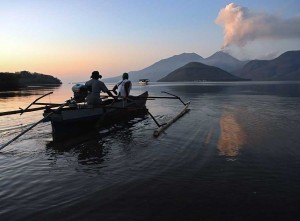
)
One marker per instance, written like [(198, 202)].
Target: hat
[(96, 75), (125, 76)]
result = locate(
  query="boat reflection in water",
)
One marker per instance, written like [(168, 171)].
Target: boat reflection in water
[(95, 148), (232, 136)]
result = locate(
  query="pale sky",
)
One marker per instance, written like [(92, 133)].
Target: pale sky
[(70, 38)]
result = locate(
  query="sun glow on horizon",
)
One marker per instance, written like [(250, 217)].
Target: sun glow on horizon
[(71, 40)]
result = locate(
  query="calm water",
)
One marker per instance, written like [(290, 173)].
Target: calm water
[(234, 156)]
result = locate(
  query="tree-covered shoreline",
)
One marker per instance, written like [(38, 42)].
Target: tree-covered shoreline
[(25, 78)]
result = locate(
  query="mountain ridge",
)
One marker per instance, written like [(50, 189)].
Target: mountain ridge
[(165, 66), (224, 61), (284, 67), (196, 71), (160, 68)]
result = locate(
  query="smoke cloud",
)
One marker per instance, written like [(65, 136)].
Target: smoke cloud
[(242, 26)]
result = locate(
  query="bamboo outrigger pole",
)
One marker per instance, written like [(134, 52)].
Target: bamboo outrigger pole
[(30, 109), (32, 126), (160, 129), (22, 111)]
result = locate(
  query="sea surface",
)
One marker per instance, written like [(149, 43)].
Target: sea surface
[(234, 156)]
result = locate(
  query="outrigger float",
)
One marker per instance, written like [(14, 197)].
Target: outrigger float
[(74, 116)]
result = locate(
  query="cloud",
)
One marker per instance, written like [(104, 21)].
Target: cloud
[(242, 26)]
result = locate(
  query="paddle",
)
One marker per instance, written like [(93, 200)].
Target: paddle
[(32, 126)]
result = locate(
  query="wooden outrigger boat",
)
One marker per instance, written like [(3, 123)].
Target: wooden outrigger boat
[(74, 117)]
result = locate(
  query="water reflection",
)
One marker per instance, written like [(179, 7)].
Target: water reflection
[(232, 136), (91, 152), (208, 136), (28, 91), (198, 89), (285, 89), (92, 148)]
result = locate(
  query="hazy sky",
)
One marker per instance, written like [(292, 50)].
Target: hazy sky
[(71, 38)]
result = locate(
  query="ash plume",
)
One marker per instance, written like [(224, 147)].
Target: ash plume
[(242, 25)]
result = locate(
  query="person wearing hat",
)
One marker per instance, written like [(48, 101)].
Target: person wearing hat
[(123, 86), (95, 86)]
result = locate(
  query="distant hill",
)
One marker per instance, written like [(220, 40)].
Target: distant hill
[(163, 67), (160, 69), (25, 78), (196, 71), (224, 61), (285, 67)]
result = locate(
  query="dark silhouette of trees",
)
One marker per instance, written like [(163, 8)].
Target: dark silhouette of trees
[(9, 80), (25, 78)]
